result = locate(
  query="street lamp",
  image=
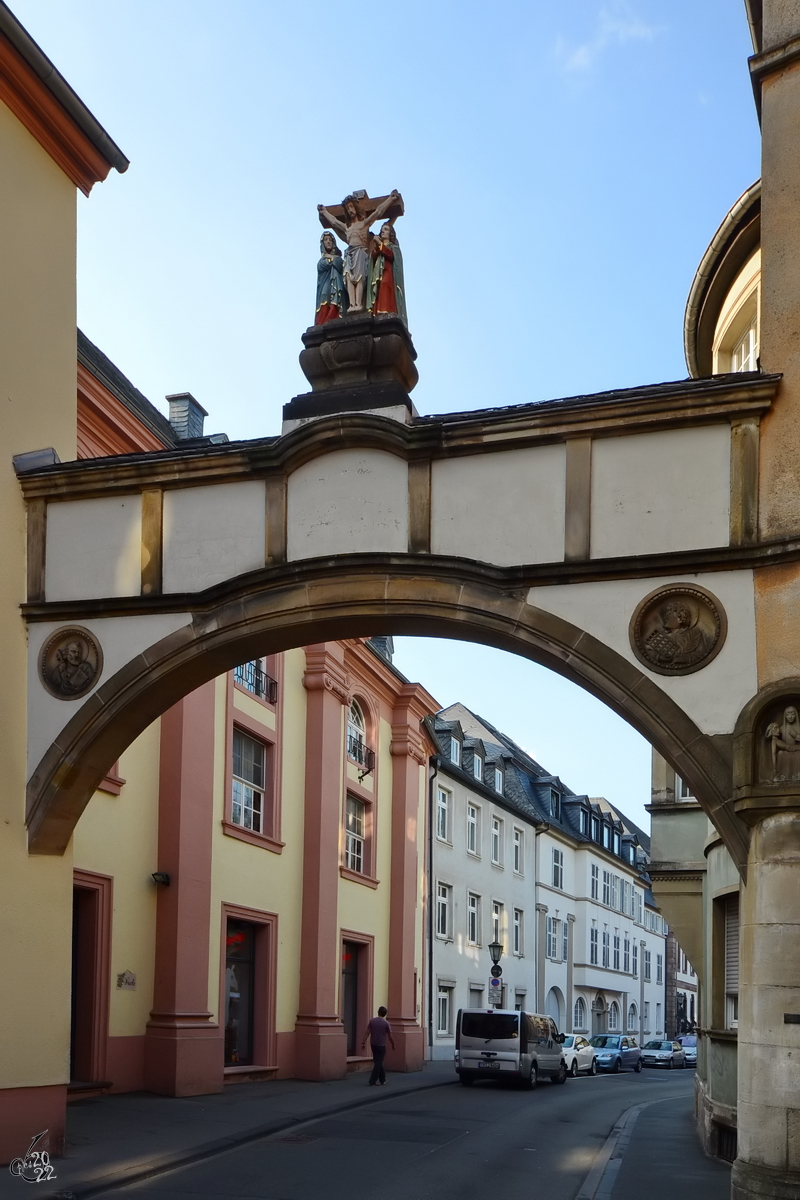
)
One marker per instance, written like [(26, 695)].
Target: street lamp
[(496, 951)]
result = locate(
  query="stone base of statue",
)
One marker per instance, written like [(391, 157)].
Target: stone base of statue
[(359, 363)]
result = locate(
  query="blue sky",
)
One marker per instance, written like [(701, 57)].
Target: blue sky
[(563, 166)]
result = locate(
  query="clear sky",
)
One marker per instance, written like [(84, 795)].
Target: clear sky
[(563, 166)]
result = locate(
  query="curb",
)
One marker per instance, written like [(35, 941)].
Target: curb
[(184, 1158), (599, 1183)]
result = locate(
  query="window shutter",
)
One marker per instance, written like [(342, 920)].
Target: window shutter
[(732, 945)]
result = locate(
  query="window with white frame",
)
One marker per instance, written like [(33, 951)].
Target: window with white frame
[(606, 948), (579, 1016), (607, 887), (744, 356), (626, 955), (659, 968), (632, 900), (443, 909), (613, 1015), (584, 822), (355, 831), (595, 829), (477, 766), (617, 842), (614, 901), (518, 848), (552, 938), (455, 751), (632, 1015), (565, 941), (473, 918), (646, 1017), (616, 950), (356, 733), (593, 947), (635, 960), (658, 1018), (497, 840), (558, 868), (639, 908), (247, 794), (595, 882), (682, 789), (443, 814), (498, 780), (497, 921), (647, 966), (555, 805), (518, 931), (624, 888), (444, 1011), (472, 829), (606, 836)]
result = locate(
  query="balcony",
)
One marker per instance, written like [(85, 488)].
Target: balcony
[(360, 753), (250, 676)]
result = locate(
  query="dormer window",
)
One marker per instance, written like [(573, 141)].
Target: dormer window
[(616, 842), (455, 751), (584, 822), (555, 805), (477, 767), (498, 780), (606, 836), (595, 829)]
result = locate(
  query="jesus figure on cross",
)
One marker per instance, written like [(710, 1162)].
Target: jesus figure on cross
[(354, 230)]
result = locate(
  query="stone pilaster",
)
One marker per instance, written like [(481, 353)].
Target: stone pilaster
[(541, 947)]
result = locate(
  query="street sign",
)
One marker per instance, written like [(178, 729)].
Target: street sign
[(497, 971)]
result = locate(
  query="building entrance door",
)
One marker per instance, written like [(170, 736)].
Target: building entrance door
[(599, 1016), (84, 975), (240, 946), (349, 1002)]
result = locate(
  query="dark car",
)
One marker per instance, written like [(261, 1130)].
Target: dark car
[(615, 1052)]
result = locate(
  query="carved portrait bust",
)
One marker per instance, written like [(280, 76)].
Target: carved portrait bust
[(678, 629), (70, 663)]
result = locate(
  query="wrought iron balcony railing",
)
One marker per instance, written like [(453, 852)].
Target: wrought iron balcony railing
[(250, 676), (360, 753)]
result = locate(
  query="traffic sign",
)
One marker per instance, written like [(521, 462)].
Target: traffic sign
[(497, 971)]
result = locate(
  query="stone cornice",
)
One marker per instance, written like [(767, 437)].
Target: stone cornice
[(769, 62)]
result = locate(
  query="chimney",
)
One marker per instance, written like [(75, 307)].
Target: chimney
[(186, 416)]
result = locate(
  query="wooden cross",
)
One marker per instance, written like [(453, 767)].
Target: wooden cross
[(367, 206)]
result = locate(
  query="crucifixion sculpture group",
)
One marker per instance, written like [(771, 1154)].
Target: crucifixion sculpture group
[(369, 276)]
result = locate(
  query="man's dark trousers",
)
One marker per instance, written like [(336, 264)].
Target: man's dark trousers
[(378, 1055)]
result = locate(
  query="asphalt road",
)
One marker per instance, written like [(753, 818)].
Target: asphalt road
[(457, 1142)]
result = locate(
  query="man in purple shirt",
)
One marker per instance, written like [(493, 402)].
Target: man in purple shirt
[(378, 1029)]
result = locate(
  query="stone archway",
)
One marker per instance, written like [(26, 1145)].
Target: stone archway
[(599, 1014), (554, 1006)]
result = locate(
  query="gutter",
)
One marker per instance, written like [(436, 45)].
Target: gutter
[(57, 85), (434, 763)]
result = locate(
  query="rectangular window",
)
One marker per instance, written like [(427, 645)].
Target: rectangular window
[(473, 918), (624, 887), (682, 789), (497, 836), (595, 882), (444, 1024), (252, 676), (635, 961), (247, 807), (745, 353), (518, 931), (614, 901), (617, 842), (472, 829), (616, 951), (606, 949), (647, 966), (442, 814), (518, 859), (595, 829), (593, 947), (639, 907), (607, 836), (497, 922), (555, 805), (565, 941), (354, 834), (584, 822), (626, 955), (498, 780), (658, 1018), (646, 1016), (443, 908), (552, 938), (558, 868), (606, 887), (659, 968), (455, 751), (477, 767), (732, 962)]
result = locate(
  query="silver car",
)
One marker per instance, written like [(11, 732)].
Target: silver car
[(689, 1043), (580, 1055), (663, 1054)]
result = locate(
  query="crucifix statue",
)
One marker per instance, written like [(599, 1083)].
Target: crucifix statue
[(351, 221)]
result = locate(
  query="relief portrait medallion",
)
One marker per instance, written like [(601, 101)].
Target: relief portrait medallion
[(70, 663), (678, 629)]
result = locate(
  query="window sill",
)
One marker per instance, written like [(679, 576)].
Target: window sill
[(356, 877), (444, 841), (255, 839), (113, 783), (499, 865)]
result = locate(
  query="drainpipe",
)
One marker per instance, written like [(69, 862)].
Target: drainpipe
[(434, 763), (538, 949)]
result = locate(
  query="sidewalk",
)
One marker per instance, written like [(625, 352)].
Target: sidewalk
[(657, 1153), (112, 1140)]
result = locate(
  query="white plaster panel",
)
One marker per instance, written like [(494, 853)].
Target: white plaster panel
[(714, 696), (505, 508), (656, 492), (348, 502), (120, 638), (212, 533), (94, 548)]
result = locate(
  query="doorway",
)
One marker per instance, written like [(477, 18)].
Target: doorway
[(599, 1015), (351, 952), (240, 961), (91, 944)]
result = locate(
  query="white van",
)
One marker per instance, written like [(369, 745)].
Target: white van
[(494, 1043)]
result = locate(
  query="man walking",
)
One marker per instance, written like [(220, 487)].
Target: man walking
[(378, 1029)]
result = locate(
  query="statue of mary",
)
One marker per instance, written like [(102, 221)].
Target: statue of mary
[(331, 294)]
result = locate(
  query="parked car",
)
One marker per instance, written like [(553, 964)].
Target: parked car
[(615, 1052), (495, 1043), (689, 1043), (579, 1054), (657, 1053)]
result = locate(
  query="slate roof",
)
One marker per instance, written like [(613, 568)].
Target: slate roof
[(103, 369)]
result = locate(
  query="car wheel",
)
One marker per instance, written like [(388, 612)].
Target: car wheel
[(593, 1067), (561, 1077), (638, 1066), (617, 1066), (573, 1069), (670, 1064), (529, 1082)]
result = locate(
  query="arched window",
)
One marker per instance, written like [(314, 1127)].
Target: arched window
[(579, 1021), (613, 1015), (632, 1017), (357, 748)]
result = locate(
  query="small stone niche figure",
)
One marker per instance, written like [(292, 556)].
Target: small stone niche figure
[(784, 740), (359, 213), (331, 293), (386, 288)]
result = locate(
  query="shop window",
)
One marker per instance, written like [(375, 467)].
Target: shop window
[(240, 958)]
